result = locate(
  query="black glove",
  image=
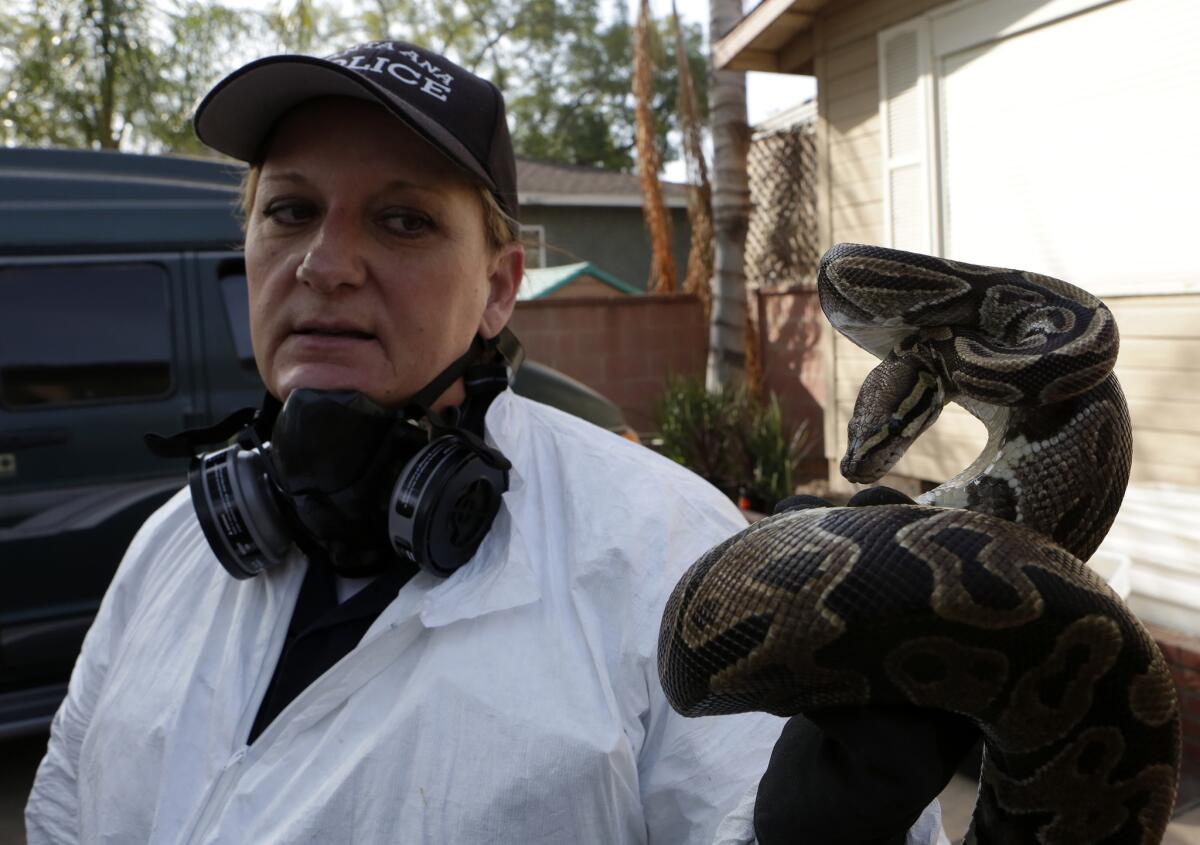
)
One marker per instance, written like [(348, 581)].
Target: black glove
[(857, 776)]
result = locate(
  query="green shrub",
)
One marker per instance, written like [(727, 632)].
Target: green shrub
[(740, 444)]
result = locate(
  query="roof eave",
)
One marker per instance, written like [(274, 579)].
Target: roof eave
[(776, 37), (532, 198)]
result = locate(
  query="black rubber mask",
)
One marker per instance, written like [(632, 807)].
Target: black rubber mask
[(350, 482), (335, 455)]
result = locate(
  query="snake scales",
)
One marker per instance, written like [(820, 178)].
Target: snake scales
[(976, 599)]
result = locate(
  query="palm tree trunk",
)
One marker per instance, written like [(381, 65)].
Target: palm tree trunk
[(106, 35), (731, 210)]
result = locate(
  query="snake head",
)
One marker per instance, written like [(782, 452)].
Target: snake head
[(898, 401)]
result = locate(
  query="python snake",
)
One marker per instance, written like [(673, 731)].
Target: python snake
[(976, 599)]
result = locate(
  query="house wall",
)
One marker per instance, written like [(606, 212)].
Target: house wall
[(625, 347), (1159, 367), (613, 238), (847, 67)]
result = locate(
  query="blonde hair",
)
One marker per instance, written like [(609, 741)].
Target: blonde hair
[(499, 228)]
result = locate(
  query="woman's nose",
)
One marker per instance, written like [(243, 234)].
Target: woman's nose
[(333, 260)]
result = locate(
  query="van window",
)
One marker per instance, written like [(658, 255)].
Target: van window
[(83, 334), (237, 310)]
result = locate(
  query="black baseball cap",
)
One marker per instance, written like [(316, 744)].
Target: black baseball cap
[(459, 113)]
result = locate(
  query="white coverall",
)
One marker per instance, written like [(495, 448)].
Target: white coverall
[(515, 702)]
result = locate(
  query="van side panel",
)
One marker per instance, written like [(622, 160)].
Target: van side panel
[(96, 355)]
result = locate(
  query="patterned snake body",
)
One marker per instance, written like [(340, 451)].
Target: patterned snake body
[(976, 600)]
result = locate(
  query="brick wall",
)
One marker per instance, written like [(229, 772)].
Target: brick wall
[(1182, 653), (624, 347)]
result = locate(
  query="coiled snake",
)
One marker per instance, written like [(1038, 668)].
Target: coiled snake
[(976, 599)]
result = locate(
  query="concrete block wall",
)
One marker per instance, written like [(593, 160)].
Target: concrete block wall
[(623, 347), (790, 326), (1182, 653)]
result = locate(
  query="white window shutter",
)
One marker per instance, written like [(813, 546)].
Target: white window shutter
[(905, 91)]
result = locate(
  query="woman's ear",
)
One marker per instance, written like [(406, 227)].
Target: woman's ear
[(506, 270)]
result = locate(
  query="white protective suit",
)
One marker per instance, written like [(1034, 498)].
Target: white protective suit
[(516, 702)]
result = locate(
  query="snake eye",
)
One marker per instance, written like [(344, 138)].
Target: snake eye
[(895, 426)]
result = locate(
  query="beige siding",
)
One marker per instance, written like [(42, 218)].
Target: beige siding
[(943, 451), (852, 22), (849, 86), (847, 60), (1159, 368), (848, 71), (859, 177), (857, 110), (852, 118)]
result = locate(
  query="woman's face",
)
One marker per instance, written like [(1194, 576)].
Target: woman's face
[(366, 257)]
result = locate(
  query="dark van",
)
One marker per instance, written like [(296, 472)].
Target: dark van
[(122, 311)]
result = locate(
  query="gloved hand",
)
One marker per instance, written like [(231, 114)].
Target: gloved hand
[(857, 776), (862, 775)]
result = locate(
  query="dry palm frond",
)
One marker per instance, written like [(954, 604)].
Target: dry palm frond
[(662, 262), (700, 255)]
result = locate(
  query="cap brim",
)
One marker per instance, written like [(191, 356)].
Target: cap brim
[(237, 115)]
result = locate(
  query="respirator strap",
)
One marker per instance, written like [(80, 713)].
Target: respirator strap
[(504, 346), (259, 430), (486, 370), (187, 443), (483, 383), (509, 347), (429, 394)]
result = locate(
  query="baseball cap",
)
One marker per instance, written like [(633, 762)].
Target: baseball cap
[(459, 113)]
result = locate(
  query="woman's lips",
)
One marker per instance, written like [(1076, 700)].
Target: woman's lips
[(330, 339)]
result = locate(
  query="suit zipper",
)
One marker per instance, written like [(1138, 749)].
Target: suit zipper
[(214, 802)]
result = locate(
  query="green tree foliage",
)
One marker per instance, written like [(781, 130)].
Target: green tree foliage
[(567, 72), (312, 27), (109, 74), (574, 103), (72, 71), (126, 73), (203, 42)]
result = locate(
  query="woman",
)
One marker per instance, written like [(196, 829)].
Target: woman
[(342, 695), (516, 701)]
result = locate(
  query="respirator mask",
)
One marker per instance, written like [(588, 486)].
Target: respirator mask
[(349, 482)]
